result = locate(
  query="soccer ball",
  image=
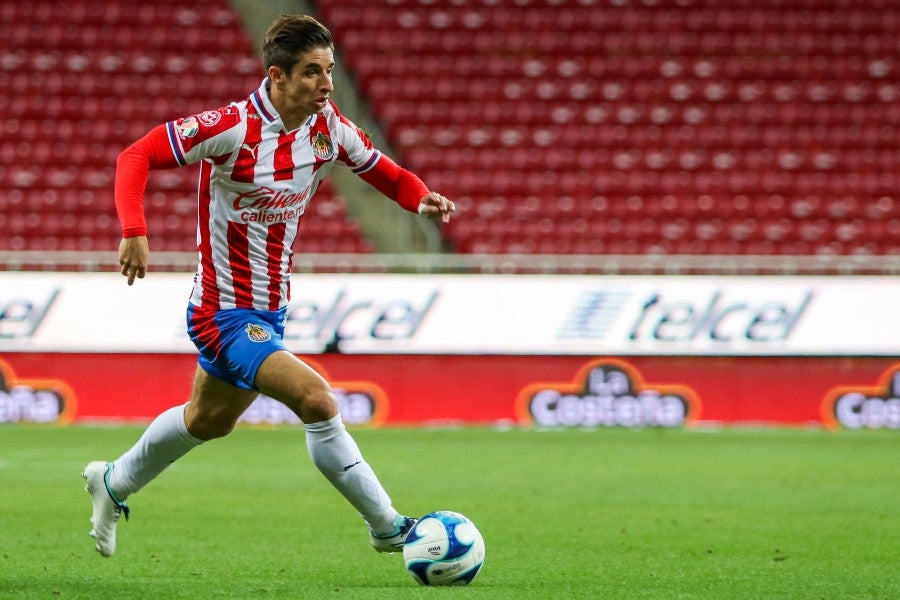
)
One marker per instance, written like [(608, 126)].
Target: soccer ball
[(444, 548)]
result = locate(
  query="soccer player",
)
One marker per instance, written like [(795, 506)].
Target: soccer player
[(261, 161)]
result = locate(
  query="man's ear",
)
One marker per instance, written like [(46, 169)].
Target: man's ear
[(276, 74)]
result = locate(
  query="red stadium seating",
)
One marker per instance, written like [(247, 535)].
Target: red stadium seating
[(642, 126), (558, 126), (77, 88)]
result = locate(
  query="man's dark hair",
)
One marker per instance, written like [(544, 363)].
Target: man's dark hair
[(289, 37)]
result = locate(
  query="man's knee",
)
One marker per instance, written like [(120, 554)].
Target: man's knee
[(215, 406), (206, 423), (295, 384), (319, 404), (207, 429)]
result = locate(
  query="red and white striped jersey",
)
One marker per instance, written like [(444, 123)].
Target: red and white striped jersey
[(255, 182)]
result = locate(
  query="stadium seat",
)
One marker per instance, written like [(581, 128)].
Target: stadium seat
[(111, 72), (741, 126), (653, 126)]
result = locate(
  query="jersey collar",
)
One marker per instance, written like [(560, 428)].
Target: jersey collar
[(262, 102), (265, 108)]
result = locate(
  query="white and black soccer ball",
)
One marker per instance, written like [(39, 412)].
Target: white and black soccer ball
[(444, 548)]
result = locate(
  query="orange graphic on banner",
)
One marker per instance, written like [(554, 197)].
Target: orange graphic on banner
[(34, 400), (607, 392), (865, 406)]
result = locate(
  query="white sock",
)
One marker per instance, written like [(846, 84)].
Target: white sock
[(163, 442), (338, 457)]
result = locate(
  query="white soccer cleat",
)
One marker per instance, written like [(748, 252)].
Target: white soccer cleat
[(393, 542), (107, 507)]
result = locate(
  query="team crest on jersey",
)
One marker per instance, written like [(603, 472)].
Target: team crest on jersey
[(210, 117), (188, 128), (322, 146), (257, 333)]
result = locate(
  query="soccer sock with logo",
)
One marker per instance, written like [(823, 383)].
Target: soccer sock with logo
[(163, 442), (337, 456)]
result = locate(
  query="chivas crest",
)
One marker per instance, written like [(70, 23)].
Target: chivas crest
[(257, 333), (322, 146)]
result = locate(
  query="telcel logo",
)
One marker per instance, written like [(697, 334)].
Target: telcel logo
[(718, 320), (20, 317), (865, 407), (346, 319)]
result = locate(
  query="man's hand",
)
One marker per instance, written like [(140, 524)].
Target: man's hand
[(134, 252), (434, 205)]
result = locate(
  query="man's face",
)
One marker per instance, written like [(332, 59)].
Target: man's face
[(305, 90)]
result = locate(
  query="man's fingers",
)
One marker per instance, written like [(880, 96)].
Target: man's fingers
[(133, 254), (442, 206), (132, 272), (446, 207), (435, 205)]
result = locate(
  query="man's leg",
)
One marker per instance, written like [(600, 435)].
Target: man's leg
[(212, 412), (334, 452)]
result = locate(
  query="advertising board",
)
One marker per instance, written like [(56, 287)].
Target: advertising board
[(543, 391), (546, 351), (466, 315)]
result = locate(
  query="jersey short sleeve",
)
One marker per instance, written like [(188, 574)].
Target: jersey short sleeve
[(212, 133), (355, 149)]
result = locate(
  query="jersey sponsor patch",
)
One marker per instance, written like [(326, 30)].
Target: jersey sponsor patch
[(257, 333), (187, 128), (322, 146)]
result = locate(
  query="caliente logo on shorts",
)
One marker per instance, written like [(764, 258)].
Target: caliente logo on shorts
[(257, 333)]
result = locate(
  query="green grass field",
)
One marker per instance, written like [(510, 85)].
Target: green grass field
[(779, 513)]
